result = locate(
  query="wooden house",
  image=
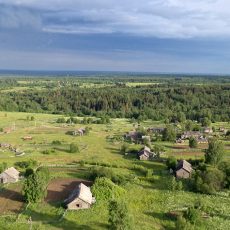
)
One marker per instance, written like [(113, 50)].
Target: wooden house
[(80, 198), (188, 134), (145, 154), (208, 130), (27, 138), (79, 132), (10, 175), (155, 130), (183, 169)]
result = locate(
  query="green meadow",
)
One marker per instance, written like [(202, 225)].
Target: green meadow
[(150, 201)]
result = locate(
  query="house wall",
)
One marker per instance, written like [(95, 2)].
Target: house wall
[(181, 173), (5, 178), (143, 157), (78, 204)]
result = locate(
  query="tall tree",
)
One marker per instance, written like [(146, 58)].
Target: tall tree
[(119, 218), (215, 152)]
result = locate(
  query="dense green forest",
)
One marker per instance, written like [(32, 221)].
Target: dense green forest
[(175, 101)]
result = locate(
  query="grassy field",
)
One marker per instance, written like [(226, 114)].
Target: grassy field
[(149, 198)]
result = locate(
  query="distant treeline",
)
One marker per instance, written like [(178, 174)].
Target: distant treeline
[(174, 102)]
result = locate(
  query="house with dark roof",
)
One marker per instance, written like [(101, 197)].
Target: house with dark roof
[(183, 169), (80, 198), (145, 154), (156, 130), (10, 175)]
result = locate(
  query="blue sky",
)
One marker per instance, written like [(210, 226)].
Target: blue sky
[(191, 36)]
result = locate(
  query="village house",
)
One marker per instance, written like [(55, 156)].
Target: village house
[(155, 130), (27, 138), (208, 130), (183, 169), (132, 136), (80, 198), (10, 175), (79, 132), (146, 138), (188, 134), (202, 140), (145, 154), (5, 145)]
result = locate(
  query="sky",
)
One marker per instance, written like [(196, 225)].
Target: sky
[(182, 36)]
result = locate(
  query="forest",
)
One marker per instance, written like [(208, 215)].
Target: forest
[(154, 99)]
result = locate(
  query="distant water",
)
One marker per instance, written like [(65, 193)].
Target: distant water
[(36, 73)]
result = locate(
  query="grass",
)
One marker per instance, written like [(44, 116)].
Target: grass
[(149, 198)]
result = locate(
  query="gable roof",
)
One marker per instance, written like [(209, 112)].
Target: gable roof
[(183, 164), (145, 151), (82, 192), (12, 172)]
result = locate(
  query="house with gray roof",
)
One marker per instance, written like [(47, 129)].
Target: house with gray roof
[(145, 154), (80, 198), (183, 169), (10, 175)]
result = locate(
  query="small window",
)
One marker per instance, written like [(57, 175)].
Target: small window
[(78, 205)]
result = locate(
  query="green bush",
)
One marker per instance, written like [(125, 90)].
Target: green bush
[(73, 148), (105, 189), (119, 217)]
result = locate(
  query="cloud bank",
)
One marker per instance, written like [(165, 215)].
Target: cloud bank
[(150, 18)]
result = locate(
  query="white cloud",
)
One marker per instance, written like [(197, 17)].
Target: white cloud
[(152, 18)]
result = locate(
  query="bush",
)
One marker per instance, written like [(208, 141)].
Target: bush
[(171, 163), (26, 164), (209, 181), (192, 215), (73, 148), (3, 167), (108, 173), (34, 188), (28, 172), (193, 142), (119, 218), (56, 142), (215, 152), (61, 120), (105, 189)]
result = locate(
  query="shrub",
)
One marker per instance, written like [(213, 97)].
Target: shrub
[(105, 189), (119, 217), (61, 120), (193, 142), (26, 164), (34, 188), (56, 142), (108, 173), (209, 181), (28, 172), (171, 163), (73, 148), (214, 153)]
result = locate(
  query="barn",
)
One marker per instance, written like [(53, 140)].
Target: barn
[(80, 198), (183, 169), (10, 175)]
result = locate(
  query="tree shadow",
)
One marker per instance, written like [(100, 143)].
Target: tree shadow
[(54, 220), (162, 217), (114, 150), (11, 201)]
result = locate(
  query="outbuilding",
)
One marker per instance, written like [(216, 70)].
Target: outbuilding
[(10, 175), (80, 198), (183, 169)]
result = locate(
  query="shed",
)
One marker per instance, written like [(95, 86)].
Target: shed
[(145, 153), (80, 198), (183, 169), (10, 175)]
